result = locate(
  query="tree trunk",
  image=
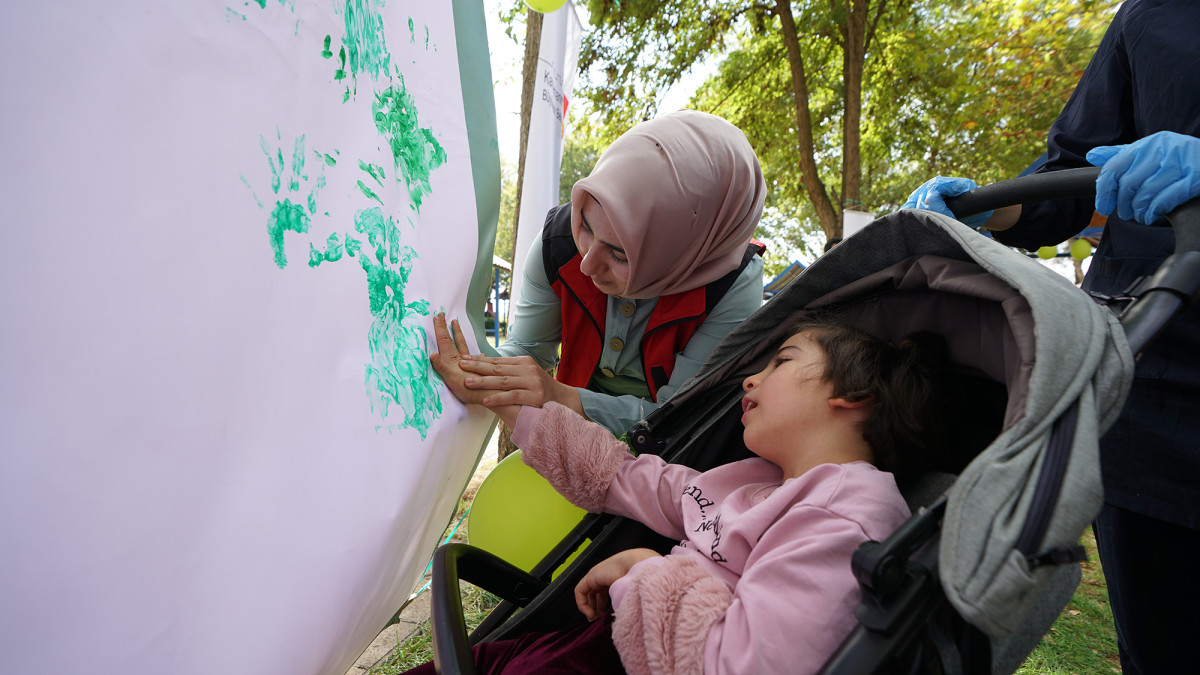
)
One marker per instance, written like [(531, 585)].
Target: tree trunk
[(504, 445), (533, 40), (831, 223), (854, 54), (529, 70)]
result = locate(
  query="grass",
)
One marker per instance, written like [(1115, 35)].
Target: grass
[(418, 648), (1081, 642)]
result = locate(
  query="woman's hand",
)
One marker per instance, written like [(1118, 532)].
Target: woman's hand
[(515, 380), (591, 594)]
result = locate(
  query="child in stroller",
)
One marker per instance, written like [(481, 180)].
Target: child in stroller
[(974, 579), (761, 580)]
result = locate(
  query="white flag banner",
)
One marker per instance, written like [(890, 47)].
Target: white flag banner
[(227, 227), (558, 59)]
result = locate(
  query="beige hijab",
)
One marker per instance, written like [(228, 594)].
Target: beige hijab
[(683, 193)]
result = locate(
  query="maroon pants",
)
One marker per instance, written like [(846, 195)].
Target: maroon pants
[(585, 648)]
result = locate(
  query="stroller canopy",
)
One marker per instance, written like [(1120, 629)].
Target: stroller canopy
[(1033, 489)]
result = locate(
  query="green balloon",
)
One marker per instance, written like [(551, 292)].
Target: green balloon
[(1047, 252), (1080, 249), (545, 6), (517, 516)]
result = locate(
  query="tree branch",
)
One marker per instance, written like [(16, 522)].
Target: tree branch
[(882, 9)]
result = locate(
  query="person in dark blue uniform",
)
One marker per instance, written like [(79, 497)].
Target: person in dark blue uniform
[(1135, 113)]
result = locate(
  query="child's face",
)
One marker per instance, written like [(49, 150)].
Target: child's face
[(787, 401)]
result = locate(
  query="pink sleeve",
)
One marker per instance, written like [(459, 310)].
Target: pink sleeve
[(578, 457), (594, 471), (664, 613), (649, 490), (795, 601)]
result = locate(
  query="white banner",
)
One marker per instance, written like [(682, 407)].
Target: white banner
[(558, 59), (227, 227)]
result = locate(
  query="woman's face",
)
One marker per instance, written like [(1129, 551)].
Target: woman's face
[(603, 258)]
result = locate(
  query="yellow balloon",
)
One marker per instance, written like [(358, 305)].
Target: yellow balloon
[(1080, 249), (545, 7), (517, 516), (1047, 252)]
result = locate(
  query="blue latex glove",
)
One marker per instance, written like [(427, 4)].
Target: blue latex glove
[(1148, 178), (932, 193)]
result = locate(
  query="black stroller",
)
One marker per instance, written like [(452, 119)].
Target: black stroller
[(975, 578)]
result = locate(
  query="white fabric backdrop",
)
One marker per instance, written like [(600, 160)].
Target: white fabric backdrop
[(217, 453), (558, 57)]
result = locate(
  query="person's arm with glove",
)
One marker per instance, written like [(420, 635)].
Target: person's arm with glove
[(932, 194), (1148, 178), (1141, 181)]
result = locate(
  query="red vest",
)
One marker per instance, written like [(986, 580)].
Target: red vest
[(672, 322)]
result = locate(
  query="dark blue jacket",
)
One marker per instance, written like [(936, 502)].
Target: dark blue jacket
[(1144, 78)]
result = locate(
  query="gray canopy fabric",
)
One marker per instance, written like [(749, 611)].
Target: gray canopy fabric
[(1005, 316)]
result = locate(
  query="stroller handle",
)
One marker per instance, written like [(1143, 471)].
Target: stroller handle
[(462, 562), (1066, 184), (1174, 287), (1034, 187)]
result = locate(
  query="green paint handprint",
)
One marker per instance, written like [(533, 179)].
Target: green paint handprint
[(398, 373), (286, 215), (415, 150), (365, 42)]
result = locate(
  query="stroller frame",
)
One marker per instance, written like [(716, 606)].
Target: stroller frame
[(907, 622)]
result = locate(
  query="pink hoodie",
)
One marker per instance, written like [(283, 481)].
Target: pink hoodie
[(760, 581)]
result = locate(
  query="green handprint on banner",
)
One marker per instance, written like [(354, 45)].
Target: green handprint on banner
[(398, 373), (415, 150), (288, 181)]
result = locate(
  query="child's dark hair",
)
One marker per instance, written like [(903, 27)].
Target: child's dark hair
[(908, 386)]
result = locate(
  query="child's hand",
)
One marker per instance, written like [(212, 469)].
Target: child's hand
[(448, 361), (591, 594), (451, 348)]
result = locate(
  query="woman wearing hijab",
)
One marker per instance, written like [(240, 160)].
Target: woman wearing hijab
[(637, 278)]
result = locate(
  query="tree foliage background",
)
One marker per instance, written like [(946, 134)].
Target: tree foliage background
[(849, 103)]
